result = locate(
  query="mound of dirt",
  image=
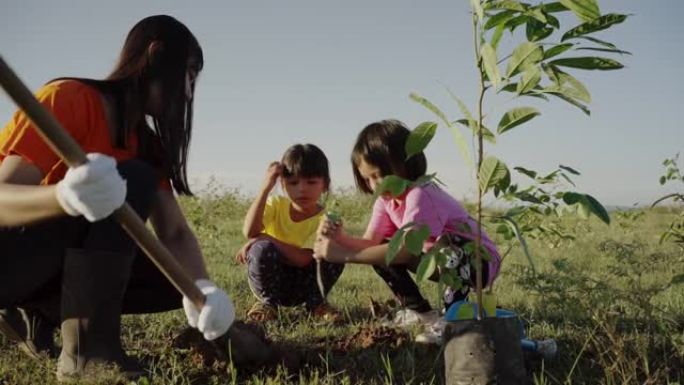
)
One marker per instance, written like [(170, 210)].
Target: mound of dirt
[(370, 336), (245, 345)]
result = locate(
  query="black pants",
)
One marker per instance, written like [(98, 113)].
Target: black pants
[(276, 283), (406, 291), (32, 256)]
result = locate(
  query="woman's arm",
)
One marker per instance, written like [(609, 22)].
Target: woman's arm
[(173, 231), (253, 224), (22, 200)]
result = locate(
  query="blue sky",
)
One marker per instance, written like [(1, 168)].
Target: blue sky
[(279, 73)]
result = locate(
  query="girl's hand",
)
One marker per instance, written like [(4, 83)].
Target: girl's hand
[(331, 251), (330, 228), (274, 170)]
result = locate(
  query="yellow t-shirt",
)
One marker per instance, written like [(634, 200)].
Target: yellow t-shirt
[(278, 224)]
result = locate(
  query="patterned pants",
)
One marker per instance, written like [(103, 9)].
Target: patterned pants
[(406, 291), (276, 283)]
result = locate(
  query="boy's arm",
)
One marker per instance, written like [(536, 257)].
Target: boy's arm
[(254, 223), (294, 255)]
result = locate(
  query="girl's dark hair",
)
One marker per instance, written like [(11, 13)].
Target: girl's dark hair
[(382, 144), (306, 161), (129, 83)]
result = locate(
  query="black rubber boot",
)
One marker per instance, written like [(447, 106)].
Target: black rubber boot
[(93, 285), (33, 333)]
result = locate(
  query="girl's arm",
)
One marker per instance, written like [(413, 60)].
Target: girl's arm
[(334, 245), (332, 251), (173, 231), (253, 225)]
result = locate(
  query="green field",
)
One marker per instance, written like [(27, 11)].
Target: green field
[(606, 296)]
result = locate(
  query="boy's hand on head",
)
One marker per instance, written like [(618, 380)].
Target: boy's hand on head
[(273, 171)]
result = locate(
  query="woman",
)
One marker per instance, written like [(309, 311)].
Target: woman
[(65, 259)]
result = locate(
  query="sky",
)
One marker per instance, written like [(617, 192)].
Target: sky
[(284, 72)]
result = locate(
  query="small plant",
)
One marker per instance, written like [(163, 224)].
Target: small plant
[(535, 68), (675, 233)]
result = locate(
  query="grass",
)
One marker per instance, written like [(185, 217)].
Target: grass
[(607, 297)]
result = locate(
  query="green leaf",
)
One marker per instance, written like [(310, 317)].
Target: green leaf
[(522, 170), (580, 92), (524, 55), (430, 106), (530, 79), (677, 279), (517, 21), (536, 31), (489, 62), (569, 169), (415, 238), (596, 208), (570, 100), (507, 4), (554, 7), (538, 14), (394, 245), (552, 21), (472, 124), (496, 36), (588, 63), (491, 173), (513, 226), (419, 138), (586, 204), (426, 267), (609, 50), (566, 84), (461, 106), (458, 137), (557, 50), (393, 185), (599, 24), (598, 41), (585, 10), (498, 19), (516, 117), (477, 8)]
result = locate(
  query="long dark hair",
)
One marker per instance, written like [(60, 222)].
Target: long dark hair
[(129, 83), (382, 144)]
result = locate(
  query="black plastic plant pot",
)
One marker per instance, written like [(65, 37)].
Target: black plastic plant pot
[(487, 351)]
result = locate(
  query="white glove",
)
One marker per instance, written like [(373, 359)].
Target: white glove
[(217, 314), (94, 189)]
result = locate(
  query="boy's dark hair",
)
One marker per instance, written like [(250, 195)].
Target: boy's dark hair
[(382, 144), (306, 161)]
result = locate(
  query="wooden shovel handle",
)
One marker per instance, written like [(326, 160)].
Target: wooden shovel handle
[(68, 149)]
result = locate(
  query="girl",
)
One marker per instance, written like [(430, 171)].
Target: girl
[(378, 152), (281, 232), (65, 260)]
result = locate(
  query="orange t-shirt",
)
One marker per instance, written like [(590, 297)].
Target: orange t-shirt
[(79, 108)]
